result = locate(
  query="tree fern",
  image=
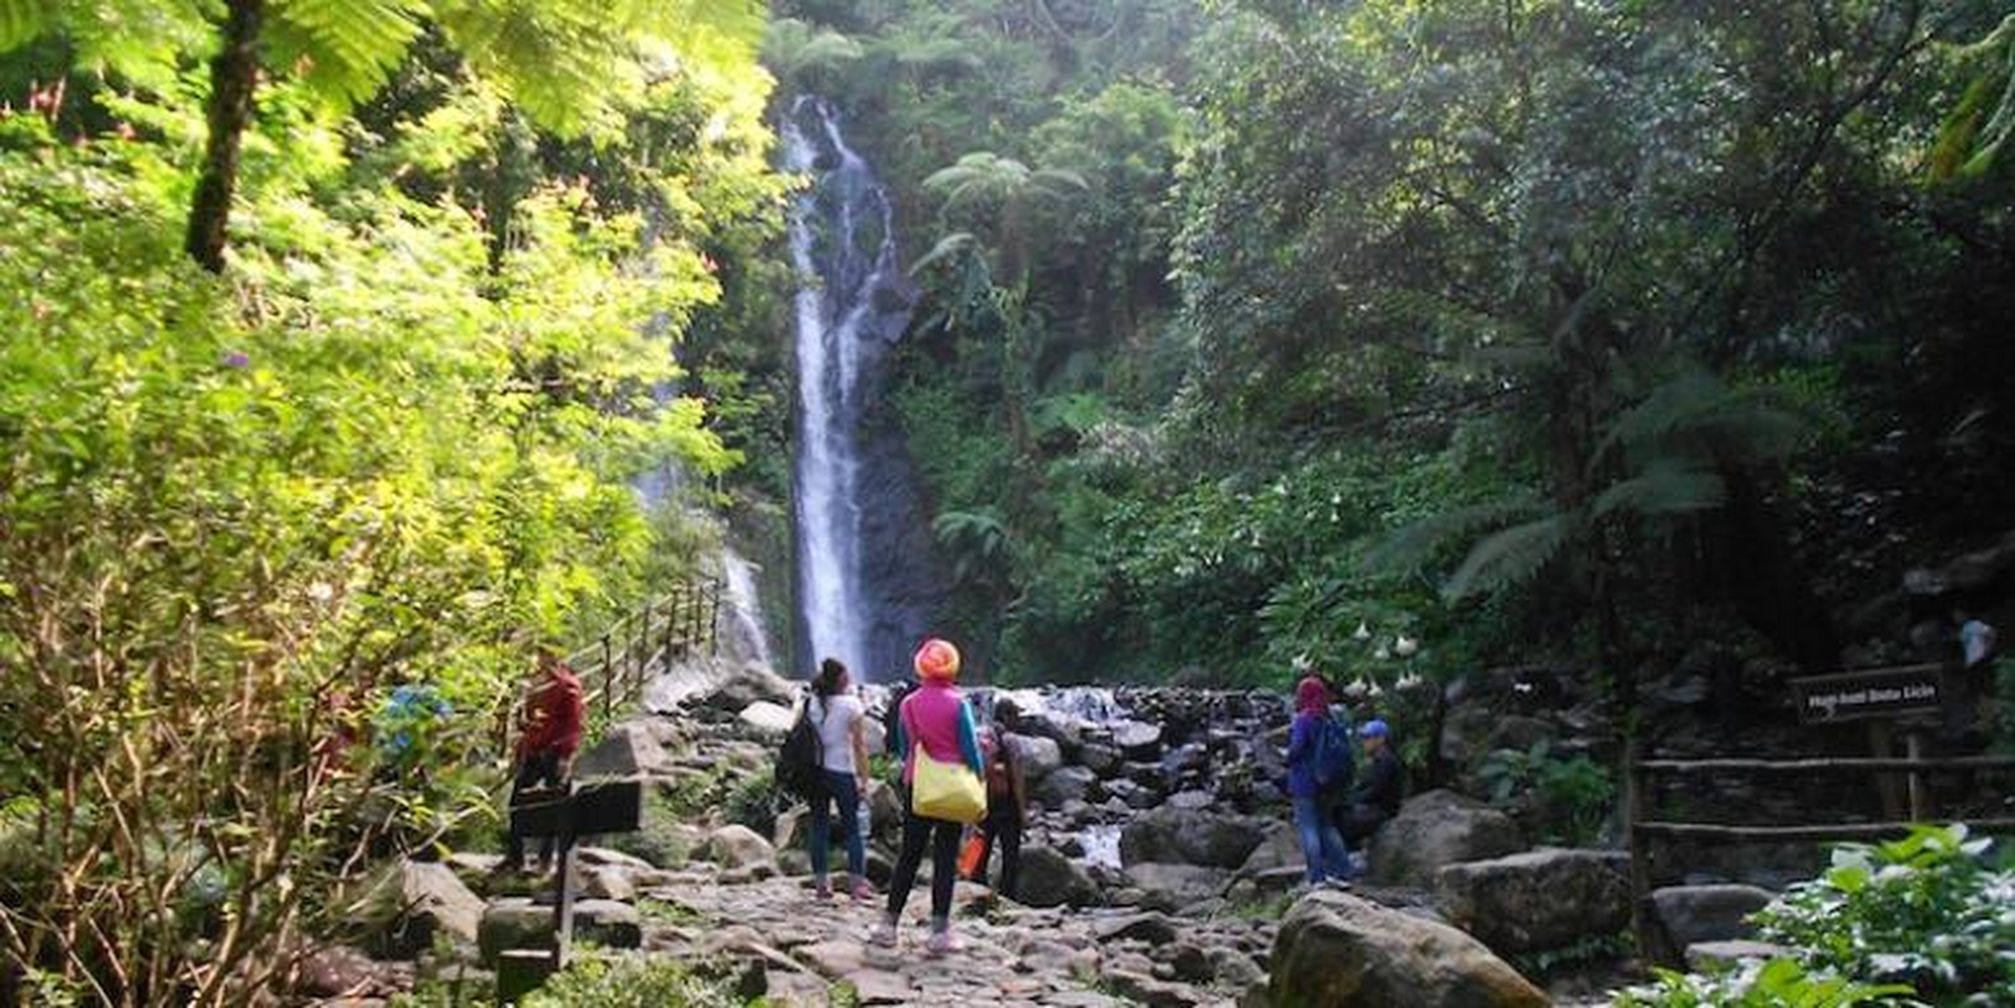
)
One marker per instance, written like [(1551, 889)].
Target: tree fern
[(344, 49), (1510, 557), (1414, 544), (1665, 487)]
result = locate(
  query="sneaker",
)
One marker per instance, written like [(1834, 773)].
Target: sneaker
[(884, 935), (823, 892), (943, 943), (863, 892)]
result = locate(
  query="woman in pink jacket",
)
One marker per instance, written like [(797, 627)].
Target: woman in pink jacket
[(936, 719)]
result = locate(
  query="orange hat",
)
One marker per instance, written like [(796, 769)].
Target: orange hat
[(937, 659)]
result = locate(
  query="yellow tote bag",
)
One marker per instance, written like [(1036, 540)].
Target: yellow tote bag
[(947, 791)]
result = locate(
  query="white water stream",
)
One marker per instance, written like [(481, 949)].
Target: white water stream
[(842, 242)]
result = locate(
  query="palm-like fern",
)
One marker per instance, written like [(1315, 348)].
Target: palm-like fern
[(976, 542), (1659, 459), (565, 63)]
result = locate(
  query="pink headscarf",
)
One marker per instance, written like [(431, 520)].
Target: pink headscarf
[(1311, 697)]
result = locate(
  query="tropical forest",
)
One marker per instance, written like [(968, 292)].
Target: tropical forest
[(1350, 503)]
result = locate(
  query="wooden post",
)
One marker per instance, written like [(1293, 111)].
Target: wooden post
[(1920, 795), (1640, 869), (607, 667), (1881, 745), (563, 902)]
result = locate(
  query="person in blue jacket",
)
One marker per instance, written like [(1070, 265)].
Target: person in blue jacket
[(1321, 844)]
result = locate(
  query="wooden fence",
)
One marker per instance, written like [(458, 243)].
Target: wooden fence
[(614, 667), (1642, 829)]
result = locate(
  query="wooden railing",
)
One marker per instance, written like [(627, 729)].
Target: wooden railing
[(1642, 828), (615, 666)]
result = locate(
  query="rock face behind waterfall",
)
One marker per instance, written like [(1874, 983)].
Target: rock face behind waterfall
[(866, 577)]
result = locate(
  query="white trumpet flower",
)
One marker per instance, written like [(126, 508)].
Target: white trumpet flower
[(1405, 647), (1363, 632)]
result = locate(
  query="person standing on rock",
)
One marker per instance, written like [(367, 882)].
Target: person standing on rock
[(843, 748), (1321, 845), (1378, 795), (936, 720), (554, 714), (1007, 800)]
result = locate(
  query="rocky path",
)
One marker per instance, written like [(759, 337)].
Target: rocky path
[(806, 950)]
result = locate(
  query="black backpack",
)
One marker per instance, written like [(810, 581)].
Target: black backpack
[(892, 717), (798, 762)]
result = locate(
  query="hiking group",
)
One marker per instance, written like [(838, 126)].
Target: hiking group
[(959, 779), (954, 777)]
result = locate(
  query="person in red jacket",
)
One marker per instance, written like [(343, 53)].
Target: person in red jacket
[(549, 733)]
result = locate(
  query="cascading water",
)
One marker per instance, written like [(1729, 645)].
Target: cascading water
[(855, 515)]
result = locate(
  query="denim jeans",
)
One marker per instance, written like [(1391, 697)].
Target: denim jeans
[(1321, 844), (840, 788)]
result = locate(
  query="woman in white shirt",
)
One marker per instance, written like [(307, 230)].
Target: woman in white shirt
[(841, 721)]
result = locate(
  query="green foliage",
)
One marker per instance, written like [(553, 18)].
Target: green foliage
[(1570, 797), (1925, 911), (1777, 983), (236, 515)]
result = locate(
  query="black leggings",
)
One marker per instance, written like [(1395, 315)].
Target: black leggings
[(1004, 825), (943, 838)]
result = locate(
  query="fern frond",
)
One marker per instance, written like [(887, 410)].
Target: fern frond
[(1413, 545), (1665, 487), (950, 245), (343, 49), (24, 21), (1510, 557)]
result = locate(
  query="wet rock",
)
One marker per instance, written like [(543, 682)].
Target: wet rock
[(1173, 886), (1048, 879), (626, 750), (1139, 740), (342, 971), (737, 846), (1691, 915), (1153, 928), (1066, 784), (1040, 756), (1099, 759), (1539, 900), (748, 684), (1171, 835), (1437, 829), (1721, 955), (1279, 847), (403, 907), (766, 718), (1339, 951)]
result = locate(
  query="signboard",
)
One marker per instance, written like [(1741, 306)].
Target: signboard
[(607, 806), (1867, 694)]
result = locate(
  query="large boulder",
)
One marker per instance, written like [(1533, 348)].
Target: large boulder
[(768, 718), (518, 923), (1049, 879), (1062, 786), (745, 685), (1437, 829), (1280, 847), (1335, 950), (1172, 835), (1696, 914), (1173, 886), (1536, 901), (628, 750), (1040, 756), (737, 846), (402, 908)]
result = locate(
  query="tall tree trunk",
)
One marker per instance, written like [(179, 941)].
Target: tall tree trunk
[(234, 76)]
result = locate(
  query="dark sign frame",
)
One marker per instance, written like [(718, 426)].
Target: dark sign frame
[(1868, 694)]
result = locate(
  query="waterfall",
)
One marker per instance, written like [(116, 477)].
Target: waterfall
[(852, 302), (745, 612)]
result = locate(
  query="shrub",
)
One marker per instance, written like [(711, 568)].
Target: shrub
[(1925, 910), (1779, 983), (1567, 798)]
